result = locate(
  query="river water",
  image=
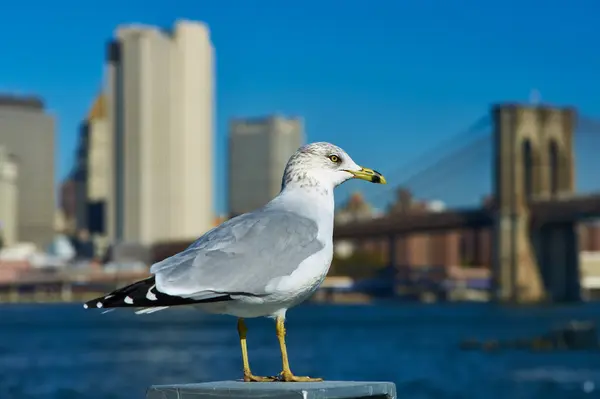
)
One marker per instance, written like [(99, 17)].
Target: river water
[(63, 351)]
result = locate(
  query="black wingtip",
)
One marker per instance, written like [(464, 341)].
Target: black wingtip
[(122, 296), (144, 294), (94, 303)]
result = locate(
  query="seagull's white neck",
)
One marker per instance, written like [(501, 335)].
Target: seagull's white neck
[(315, 202)]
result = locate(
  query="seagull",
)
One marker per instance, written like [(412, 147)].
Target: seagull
[(261, 263)]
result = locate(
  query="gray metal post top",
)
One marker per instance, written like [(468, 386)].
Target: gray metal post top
[(275, 390)]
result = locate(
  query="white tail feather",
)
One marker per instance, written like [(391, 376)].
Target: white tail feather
[(151, 310)]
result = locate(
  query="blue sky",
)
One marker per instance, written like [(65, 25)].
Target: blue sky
[(386, 80)]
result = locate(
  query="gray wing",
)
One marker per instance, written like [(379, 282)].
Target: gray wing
[(240, 256)]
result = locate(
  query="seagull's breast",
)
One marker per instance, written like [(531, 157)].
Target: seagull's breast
[(306, 278), (311, 272)]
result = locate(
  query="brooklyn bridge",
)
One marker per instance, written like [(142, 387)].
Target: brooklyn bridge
[(525, 160)]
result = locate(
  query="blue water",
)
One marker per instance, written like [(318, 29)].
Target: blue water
[(62, 351)]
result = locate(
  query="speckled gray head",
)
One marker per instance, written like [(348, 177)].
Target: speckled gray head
[(325, 164)]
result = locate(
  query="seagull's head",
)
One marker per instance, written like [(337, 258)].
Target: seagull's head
[(325, 164)]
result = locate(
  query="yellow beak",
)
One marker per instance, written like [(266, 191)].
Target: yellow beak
[(369, 175)]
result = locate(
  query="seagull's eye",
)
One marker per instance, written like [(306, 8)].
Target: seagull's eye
[(334, 158)]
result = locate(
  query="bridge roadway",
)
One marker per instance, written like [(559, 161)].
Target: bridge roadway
[(542, 212)]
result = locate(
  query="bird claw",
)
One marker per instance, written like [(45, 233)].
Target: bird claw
[(255, 378), (289, 377)]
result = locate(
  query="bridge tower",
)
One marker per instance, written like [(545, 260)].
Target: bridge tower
[(533, 161)]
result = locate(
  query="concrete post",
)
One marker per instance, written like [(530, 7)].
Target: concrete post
[(280, 390)]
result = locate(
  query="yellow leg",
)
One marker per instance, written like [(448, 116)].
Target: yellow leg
[(248, 377), (286, 374)]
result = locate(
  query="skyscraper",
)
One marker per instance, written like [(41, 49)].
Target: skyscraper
[(27, 132), (258, 152), (89, 177), (68, 204), (97, 159), (160, 107), (9, 203)]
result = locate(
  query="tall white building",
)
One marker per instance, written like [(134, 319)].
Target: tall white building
[(8, 198), (160, 107)]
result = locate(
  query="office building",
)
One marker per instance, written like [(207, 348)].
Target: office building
[(258, 152), (79, 179), (68, 205), (27, 131), (8, 198), (356, 209), (99, 153), (90, 176), (160, 106)]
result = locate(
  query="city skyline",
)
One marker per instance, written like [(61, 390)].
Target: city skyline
[(300, 68), (146, 137)]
